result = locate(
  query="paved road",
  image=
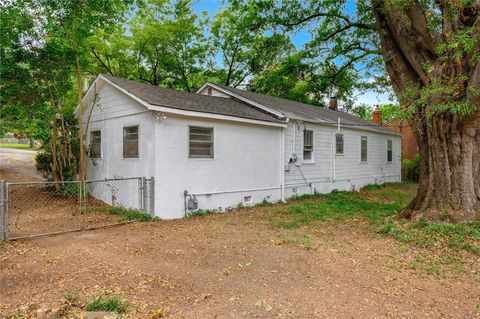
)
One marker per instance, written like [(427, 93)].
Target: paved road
[(16, 151), (18, 165)]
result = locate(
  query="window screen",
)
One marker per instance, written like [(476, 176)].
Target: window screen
[(339, 144), (307, 145), (364, 149), (201, 142), (389, 150), (95, 144), (130, 142)]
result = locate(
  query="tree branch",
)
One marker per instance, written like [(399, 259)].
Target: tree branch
[(92, 49), (350, 23)]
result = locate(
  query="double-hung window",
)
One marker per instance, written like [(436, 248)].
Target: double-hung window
[(339, 144), (200, 142), (364, 149), (389, 151), (307, 145), (95, 144), (130, 142)]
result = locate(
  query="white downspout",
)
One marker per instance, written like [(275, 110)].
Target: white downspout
[(334, 173), (282, 164)]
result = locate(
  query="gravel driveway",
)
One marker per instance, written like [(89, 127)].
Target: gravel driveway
[(18, 165)]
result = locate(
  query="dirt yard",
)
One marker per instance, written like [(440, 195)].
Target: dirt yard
[(235, 265), (36, 208), (262, 262)]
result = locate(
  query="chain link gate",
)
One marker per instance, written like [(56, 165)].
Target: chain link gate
[(31, 209)]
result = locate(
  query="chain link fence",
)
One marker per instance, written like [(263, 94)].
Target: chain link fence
[(30, 209)]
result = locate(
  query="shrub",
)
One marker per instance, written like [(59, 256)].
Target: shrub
[(111, 304), (201, 212), (43, 161), (411, 168), (67, 190), (129, 214)]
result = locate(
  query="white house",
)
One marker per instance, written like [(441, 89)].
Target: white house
[(226, 146)]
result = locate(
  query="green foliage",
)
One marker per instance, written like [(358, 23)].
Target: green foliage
[(411, 168), (68, 190), (201, 212), (71, 298), (17, 146), (462, 236), (341, 205), (129, 214), (107, 303), (263, 203)]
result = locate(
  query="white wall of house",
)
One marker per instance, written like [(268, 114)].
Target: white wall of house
[(113, 111), (247, 158), (246, 163), (343, 172)]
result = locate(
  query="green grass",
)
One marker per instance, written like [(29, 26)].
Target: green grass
[(129, 214), (18, 146), (340, 206), (201, 212), (107, 303), (71, 298), (462, 236), (378, 204)]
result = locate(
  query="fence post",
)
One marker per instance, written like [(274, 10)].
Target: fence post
[(3, 211), (141, 193), (152, 197)]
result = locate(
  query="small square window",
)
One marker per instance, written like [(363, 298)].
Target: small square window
[(130, 142), (201, 142), (307, 145)]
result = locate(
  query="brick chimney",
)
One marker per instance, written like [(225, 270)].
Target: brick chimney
[(377, 116), (333, 103)]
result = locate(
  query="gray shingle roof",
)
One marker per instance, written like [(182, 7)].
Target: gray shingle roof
[(190, 101), (307, 112)]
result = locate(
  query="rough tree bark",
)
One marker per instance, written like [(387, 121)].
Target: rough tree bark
[(449, 143)]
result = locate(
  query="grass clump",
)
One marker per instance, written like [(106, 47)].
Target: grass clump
[(378, 204), (462, 236), (336, 206), (107, 303), (201, 212), (71, 298), (129, 214)]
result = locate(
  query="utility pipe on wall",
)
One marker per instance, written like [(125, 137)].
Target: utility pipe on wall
[(334, 141)]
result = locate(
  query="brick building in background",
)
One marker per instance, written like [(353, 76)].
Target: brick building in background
[(409, 143)]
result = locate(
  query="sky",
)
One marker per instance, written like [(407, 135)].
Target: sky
[(299, 39)]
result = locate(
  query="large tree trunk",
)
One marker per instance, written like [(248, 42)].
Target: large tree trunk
[(449, 186), (449, 143)]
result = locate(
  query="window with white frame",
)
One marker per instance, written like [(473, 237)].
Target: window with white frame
[(130, 142), (364, 149), (200, 142), (389, 150), (95, 144), (307, 145), (339, 144)]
